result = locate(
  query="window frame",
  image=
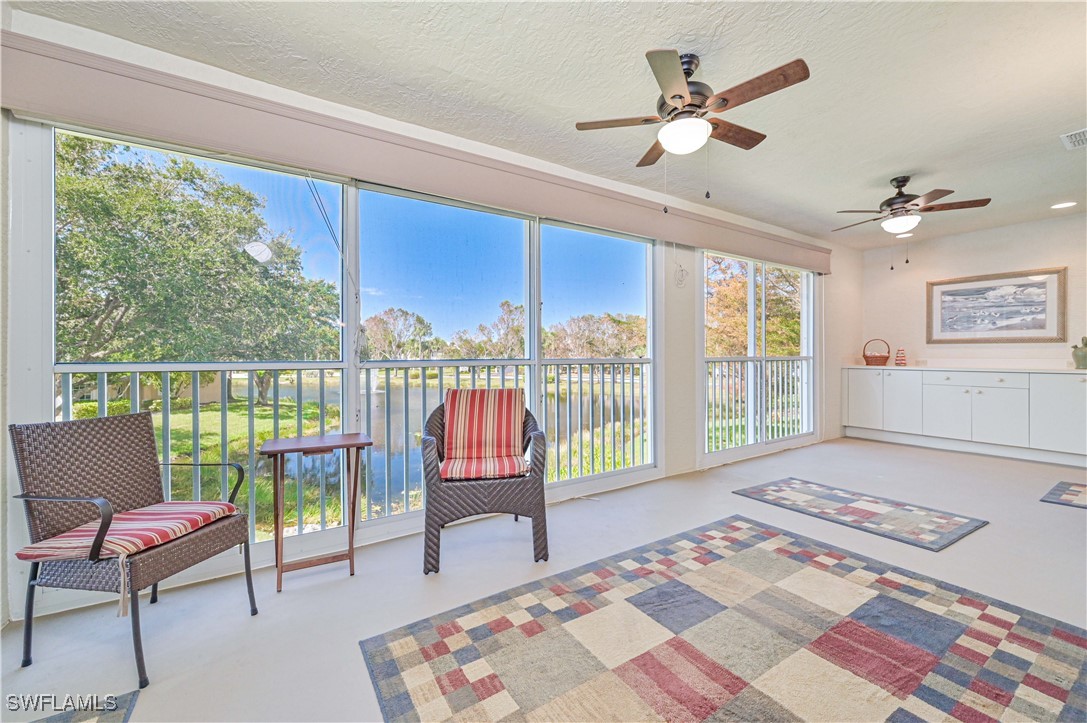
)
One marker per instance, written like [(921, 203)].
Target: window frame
[(810, 332)]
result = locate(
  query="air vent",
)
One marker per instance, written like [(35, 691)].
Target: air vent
[(1074, 140)]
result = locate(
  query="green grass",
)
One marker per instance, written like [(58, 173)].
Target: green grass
[(237, 426)]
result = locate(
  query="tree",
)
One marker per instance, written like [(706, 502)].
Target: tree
[(727, 311), (151, 267), (397, 334), (504, 339), (612, 336)]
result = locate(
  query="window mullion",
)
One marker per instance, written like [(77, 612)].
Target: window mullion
[(534, 313)]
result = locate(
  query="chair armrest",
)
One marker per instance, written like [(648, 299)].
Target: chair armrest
[(431, 464), (537, 454), (105, 510), (237, 468)]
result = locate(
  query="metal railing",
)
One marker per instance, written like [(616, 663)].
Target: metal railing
[(397, 398), (225, 416), (751, 400), (596, 415)]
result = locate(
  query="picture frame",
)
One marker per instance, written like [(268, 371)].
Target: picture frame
[(1024, 307)]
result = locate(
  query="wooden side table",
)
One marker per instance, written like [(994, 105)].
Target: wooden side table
[(277, 449)]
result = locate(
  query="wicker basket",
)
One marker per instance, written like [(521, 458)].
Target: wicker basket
[(876, 360)]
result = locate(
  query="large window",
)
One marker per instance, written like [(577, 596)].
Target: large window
[(595, 318), (208, 294), (220, 297), (165, 257), (758, 356)]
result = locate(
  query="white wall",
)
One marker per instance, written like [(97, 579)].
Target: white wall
[(841, 330), (894, 301)]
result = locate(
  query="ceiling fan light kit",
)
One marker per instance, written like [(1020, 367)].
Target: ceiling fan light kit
[(684, 135), (901, 222)]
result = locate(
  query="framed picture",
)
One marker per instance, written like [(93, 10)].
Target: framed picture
[(1023, 306)]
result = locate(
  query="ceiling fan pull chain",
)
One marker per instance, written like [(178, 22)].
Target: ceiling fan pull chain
[(666, 180), (707, 170)]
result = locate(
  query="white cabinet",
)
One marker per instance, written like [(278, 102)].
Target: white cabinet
[(1001, 416), (947, 411), (1045, 411), (1058, 412), (865, 398), (902, 401)]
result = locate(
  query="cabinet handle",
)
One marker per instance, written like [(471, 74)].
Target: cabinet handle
[(978, 392), (965, 391), (947, 379), (1000, 379)]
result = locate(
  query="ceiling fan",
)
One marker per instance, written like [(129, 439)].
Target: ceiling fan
[(901, 212), (684, 102)]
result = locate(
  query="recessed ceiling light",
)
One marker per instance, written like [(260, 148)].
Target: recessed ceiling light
[(904, 235), (1066, 204)]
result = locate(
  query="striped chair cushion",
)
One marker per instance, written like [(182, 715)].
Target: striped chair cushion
[(484, 468), (130, 532), (484, 423)]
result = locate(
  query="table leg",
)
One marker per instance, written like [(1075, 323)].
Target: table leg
[(277, 503), (353, 465)]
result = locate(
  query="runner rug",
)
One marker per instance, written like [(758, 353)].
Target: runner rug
[(912, 524), (734, 620), (1067, 493)]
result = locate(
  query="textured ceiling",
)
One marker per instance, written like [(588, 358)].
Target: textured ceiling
[(969, 96)]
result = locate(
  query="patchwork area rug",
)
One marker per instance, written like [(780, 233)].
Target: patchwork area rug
[(1067, 493), (912, 524), (736, 620)]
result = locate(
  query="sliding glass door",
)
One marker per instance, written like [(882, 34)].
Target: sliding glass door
[(758, 363)]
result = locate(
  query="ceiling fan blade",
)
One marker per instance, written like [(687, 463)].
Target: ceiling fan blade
[(853, 211), (931, 196), (765, 84), (735, 135), (617, 123), (669, 74), (652, 155), (868, 220), (976, 203)]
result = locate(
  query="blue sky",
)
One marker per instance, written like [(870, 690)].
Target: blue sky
[(451, 265)]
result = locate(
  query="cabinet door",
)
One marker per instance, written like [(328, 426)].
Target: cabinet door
[(866, 398), (902, 401), (1058, 412), (1001, 416), (946, 411)]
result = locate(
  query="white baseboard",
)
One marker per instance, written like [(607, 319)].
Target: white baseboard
[(962, 445)]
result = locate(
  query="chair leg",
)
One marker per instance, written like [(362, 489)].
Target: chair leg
[(28, 618), (249, 579), (432, 545), (154, 593), (137, 640), (539, 535), (516, 518)]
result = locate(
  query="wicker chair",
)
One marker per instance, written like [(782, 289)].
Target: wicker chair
[(83, 471), (450, 500)]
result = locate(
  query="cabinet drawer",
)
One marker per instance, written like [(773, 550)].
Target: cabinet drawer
[(1011, 380)]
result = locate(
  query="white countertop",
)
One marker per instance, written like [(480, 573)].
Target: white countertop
[(1004, 370)]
